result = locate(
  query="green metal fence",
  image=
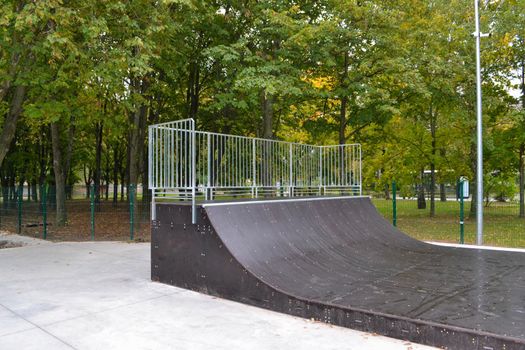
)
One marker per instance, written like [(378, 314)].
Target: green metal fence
[(503, 225), (91, 215)]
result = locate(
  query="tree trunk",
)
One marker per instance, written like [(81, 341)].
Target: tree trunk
[(146, 195), (137, 132), (421, 202), (433, 163), (61, 214), (442, 193), (267, 114), (124, 177), (432, 189), (193, 91), (9, 126), (342, 121), (136, 144), (107, 176), (522, 147), (344, 102), (473, 186), (99, 132), (34, 194), (43, 157), (116, 163), (69, 154), (522, 180)]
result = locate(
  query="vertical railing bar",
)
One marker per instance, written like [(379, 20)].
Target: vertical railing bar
[(230, 160), (172, 163), (254, 168), (268, 165), (237, 162), (320, 169), (360, 172), (179, 159), (150, 148), (208, 145), (163, 159), (217, 175), (342, 166), (151, 183), (354, 169), (224, 181), (193, 208), (220, 160), (157, 156), (166, 160)]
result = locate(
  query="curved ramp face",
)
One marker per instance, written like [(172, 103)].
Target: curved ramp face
[(338, 261)]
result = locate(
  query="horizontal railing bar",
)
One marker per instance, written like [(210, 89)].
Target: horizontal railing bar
[(200, 132)]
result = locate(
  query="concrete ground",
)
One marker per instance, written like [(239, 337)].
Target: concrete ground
[(99, 296)]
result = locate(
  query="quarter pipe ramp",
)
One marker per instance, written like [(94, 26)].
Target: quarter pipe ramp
[(338, 261)]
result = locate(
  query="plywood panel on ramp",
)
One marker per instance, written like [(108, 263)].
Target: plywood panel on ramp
[(337, 260)]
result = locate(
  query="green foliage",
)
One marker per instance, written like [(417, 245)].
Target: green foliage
[(396, 76)]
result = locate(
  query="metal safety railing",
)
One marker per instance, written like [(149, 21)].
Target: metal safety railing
[(190, 165)]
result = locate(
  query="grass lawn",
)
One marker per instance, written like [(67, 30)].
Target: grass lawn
[(502, 225)]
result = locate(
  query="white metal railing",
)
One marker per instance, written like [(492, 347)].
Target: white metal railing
[(188, 165)]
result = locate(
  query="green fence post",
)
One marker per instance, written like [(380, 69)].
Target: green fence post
[(92, 207), (43, 195), (131, 211), (394, 204), (461, 214), (19, 207)]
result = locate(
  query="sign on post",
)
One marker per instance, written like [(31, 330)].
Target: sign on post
[(466, 187)]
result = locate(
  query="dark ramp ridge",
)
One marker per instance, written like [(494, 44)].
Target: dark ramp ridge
[(339, 261)]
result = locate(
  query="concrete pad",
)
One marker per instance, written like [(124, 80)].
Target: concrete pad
[(70, 280), (11, 323), (98, 295), (34, 339), (165, 323)]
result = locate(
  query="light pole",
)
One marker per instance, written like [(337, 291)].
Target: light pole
[(479, 131)]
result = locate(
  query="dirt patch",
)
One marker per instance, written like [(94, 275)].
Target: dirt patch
[(8, 244), (110, 222)]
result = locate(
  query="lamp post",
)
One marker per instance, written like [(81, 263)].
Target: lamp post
[(479, 131)]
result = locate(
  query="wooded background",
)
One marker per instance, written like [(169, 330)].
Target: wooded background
[(81, 80)]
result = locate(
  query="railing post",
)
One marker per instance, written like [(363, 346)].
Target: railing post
[(150, 157), (131, 211), (152, 183), (254, 169), (43, 195), (209, 167), (461, 214), (320, 169), (153, 206), (290, 189), (193, 173), (92, 207), (360, 172), (394, 204), (19, 208)]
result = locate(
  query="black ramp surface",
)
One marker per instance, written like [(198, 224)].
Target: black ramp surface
[(340, 256)]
